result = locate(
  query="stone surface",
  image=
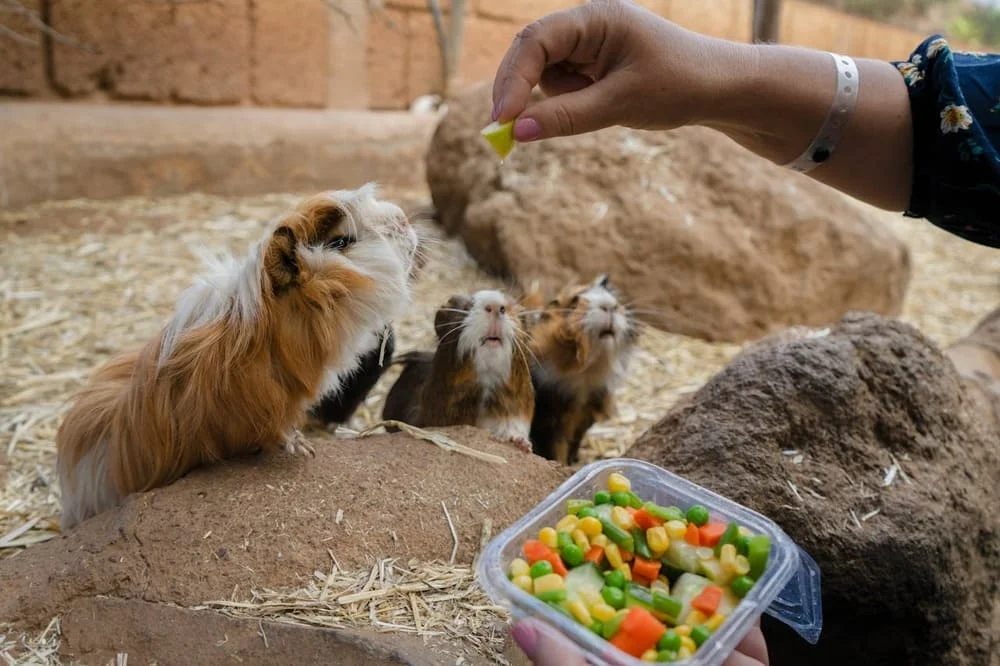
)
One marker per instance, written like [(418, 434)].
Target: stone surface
[(424, 74), (62, 151), (290, 53), (347, 66), (273, 518), (194, 52), (486, 41), (387, 56), (703, 237), (917, 582), (521, 11), (22, 59)]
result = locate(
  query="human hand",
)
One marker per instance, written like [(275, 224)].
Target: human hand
[(610, 62), (547, 647)]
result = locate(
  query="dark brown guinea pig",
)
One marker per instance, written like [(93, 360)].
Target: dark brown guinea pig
[(582, 343), (479, 375)]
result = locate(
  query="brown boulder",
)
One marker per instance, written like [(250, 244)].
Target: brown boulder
[(705, 238), (268, 522), (809, 431), (977, 355)]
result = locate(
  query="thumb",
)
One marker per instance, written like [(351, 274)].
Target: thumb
[(545, 646), (585, 110)]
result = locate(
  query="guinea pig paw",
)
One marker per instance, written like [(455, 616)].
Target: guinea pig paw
[(297, 445), (521, 443)]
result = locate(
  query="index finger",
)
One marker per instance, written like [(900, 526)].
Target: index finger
[(551, 39)]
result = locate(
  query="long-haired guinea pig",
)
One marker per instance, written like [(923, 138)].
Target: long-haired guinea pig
[(582, 342), (251, 345), (338, 406), (478, 375)]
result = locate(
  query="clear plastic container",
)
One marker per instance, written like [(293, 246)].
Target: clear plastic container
[(788, 590)]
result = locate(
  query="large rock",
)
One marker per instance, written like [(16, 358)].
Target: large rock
[(910, 569), (705, 238), (977, 355), (268, 522)]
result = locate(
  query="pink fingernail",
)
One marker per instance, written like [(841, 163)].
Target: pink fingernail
[(526, 637), (496, 111), (527, 129)]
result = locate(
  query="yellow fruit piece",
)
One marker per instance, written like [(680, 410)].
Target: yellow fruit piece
[(501, 137), (742, 567), (548, 536), (591, 527), (614, 555), (618, 483), (549, 583), (658, 540), (602, 612), (580, 539), (683, 630), (524, 582), (567, 523), (676, 529), (727, 557), (580, 612), (715, 622), (694, 618), (649, 655), (625, 571), (622, 518), (519, 567), (687, 643)]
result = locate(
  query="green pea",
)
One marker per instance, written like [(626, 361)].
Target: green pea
[(602, 497), (700, 634), (540, 568), (573, 506), (698, 515), (611, 626), (670, 641), (572, 555), (587, 512), (743, 545), (668, 656), (615, 579), (613, 596), (597, 627), (621, 498), (742, 586), (553, 595), (563, 539)]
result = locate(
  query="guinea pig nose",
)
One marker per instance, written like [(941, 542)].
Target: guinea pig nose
[(503, 309), (489, 308), (606, 307)]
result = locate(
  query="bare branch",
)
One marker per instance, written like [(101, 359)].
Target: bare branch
[(332, 4), (15, 7), (16, 36), (442, 36)]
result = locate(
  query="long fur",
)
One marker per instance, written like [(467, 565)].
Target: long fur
[(251, 344)]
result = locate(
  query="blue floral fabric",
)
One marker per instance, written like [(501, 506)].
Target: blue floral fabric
[(955, 102)]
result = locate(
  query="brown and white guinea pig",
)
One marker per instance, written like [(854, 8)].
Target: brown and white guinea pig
[(479, 374), (251, 345), (582, 342)]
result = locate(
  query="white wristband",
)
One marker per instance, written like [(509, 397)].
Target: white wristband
[(829, 135)]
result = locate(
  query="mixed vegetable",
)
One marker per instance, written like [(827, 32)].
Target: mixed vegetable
[(654, 581)]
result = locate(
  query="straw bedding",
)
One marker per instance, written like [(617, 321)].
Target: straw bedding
[(83, 280)]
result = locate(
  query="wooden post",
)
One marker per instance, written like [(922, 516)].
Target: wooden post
[(766, 20)]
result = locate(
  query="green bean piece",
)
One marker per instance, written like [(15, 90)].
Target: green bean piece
[(540, 568), (634, 500), (563, 539), (617, 535), (597, 627), (613, 596), (666, 604), (572, 555), (729, 536), (602, 497), (615, 579), (641, 547), (666, 514), (611, 626), (553, 595), (573, 506), (700, 634), (760, 549), (587, 512), (698, 515), (670, 641), (668, 656)]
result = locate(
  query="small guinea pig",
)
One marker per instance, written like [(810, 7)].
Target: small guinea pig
[(479, 374), (339, 406), (582, 342), (250, 346)]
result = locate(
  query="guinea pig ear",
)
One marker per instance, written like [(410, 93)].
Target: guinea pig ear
[(447, 318), (602, 280), (280, 260), (326, 222)]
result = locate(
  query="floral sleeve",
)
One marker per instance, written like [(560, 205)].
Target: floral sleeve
[(955, 102)]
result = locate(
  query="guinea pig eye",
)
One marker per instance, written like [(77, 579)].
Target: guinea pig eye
[(573, 301), (340, 242)]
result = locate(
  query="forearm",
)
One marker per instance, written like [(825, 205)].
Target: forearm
[(773, 100)]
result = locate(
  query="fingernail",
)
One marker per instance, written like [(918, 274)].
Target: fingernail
[(496, 111), (527, 129), (526, 637)]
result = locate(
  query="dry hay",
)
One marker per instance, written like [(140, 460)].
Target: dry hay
[(24, 649), (82, 280)]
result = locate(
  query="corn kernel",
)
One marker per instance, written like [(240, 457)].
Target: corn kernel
[(683, 630), (591, 526), (519, 567), (694, 618), (676, 529), (658, 540), (599, 540), (580, 539), (715, 622), (661, 585), (684, 652), (580, 612), (742, 567), (727, 557), (602, 612), (549, 583), (618, 483), (704, 553), (649, 655), (547, 535), (614, 555), (687, 643), (524, 582), (567, 523), (622, 518), (624, 568)]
